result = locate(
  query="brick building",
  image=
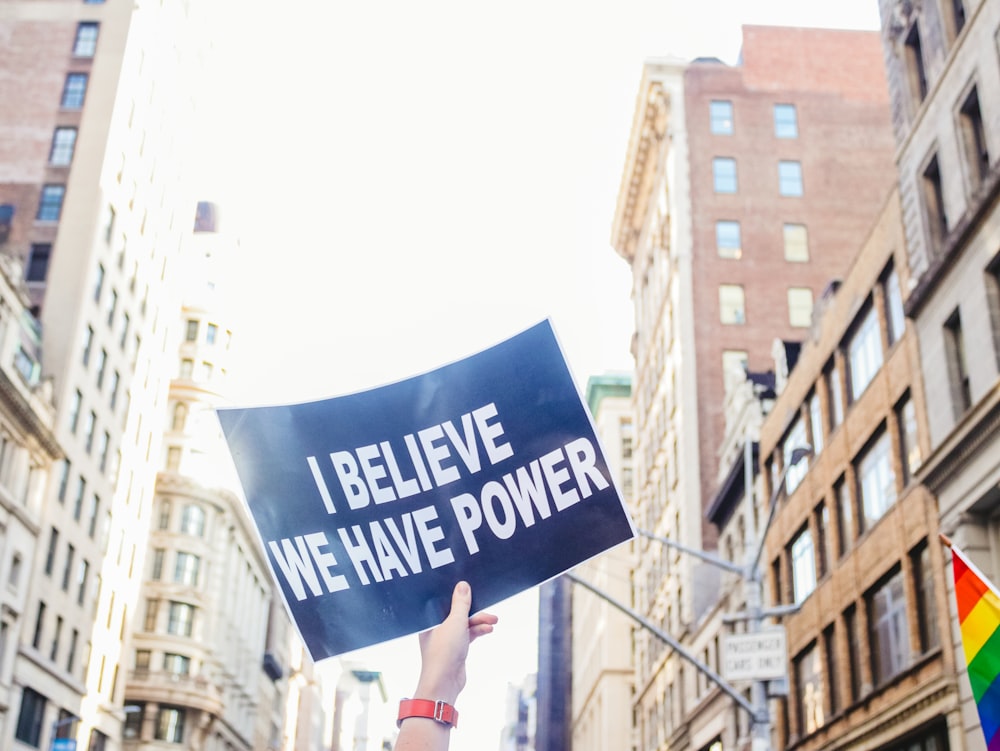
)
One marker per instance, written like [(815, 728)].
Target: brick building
[(745, 190), (944, 77), (854, 543)]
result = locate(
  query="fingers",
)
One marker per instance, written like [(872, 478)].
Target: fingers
[(479, 618), (461, 600), (479, 630)]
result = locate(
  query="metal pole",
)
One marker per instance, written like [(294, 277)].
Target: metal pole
[(673, 643)]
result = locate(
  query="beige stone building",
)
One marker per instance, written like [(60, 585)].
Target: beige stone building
[(745, 189), (96, 208), (854, 544), (98, 98), (28, 450), (602, 635), (944, 78)]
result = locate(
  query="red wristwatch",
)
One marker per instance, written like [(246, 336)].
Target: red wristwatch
[(439, 711)]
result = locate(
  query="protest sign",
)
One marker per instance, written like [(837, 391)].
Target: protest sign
[(371, 506)]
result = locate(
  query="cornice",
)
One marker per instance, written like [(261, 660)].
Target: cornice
[(649, 127)]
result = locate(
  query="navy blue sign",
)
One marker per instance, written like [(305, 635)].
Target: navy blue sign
[(371, 506)]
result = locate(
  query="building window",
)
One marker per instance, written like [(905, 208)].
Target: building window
[(74, 91), (187, 369), (796, 243), (822, 518), (830, 656), (30, 717), (724, 174), (909, 443), (56, 636), (68, 567), (186, 569), (809, 698), (958, 365), (176, 664), (803, 558), (915, 64), (88, 441), (38, 262), (890, 641), (95, 504), (98, 740), (786, 123), (721, 115), (977, 157), (191, 333), (152, 610), (50, 204), (834, 391), (164, 520), (211, 333), (794, 473), (113, 391), (142, 660), (727, 239), (180, 619), (133, 722), (193, 521), (170, 724), (933, 192), (36, 639), (864, 353), (732, 305), (853, 653), (876, 480), (74, 637), (50, 555), (85, 44), (790, 178), (800, 306), (14, 577), (81, 581), (180, 416), (815, 423), (923, 586), (157, 572), (895, 317), (63, 144)]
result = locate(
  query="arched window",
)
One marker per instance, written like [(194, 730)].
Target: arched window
[(193, 521), (180, 416)]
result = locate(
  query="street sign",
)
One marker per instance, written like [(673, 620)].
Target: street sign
[(64, 744), (759, 656)]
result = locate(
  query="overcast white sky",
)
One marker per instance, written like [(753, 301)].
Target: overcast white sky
[(414, 181)]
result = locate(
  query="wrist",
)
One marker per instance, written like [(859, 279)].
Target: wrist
[(441, 712), (436, 690)]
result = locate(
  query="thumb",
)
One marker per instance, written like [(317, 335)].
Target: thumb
[(461, 601)]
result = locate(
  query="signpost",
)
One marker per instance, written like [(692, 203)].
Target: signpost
[(755, 656)]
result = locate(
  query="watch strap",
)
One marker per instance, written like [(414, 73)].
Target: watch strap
[(439, 711)]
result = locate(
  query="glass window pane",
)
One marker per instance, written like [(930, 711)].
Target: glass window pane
[(721, 115), (796, 243), (727, 239), (800, 306), (724, 174), (876, 480), (864, 354), (785, 121), (732, 304), (790, 178)]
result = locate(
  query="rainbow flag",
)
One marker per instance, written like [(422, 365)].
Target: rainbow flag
[(979, 618)]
